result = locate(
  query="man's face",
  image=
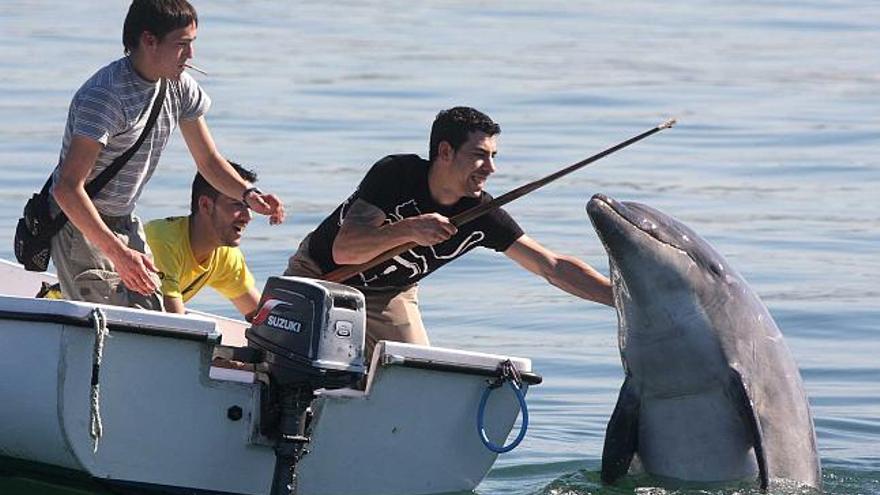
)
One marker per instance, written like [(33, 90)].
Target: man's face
[(229, 217), (173, 51), (473, 163)]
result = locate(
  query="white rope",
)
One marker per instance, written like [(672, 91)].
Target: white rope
[(101, 332)]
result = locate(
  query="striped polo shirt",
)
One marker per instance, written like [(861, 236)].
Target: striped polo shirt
[(113, 107)]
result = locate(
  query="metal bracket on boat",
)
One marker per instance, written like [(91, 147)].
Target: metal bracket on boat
[(247, 355), (390, 359), (507, 372)]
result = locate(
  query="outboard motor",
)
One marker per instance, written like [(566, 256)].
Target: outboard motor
[(311, 335)]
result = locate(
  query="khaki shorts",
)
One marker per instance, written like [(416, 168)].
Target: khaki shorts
[(392, 314), (86, 274)]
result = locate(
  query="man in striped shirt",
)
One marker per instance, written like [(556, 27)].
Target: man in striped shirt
[(100, 255)]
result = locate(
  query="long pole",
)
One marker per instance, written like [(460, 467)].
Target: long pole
[(345, 272)]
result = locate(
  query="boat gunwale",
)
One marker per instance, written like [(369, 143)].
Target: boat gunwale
[(86, 322), (528, 377)]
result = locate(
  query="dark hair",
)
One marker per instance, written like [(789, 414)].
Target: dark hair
[(159, 17), (201, 187), (454, 126)]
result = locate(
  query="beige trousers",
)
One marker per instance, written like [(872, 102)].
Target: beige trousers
[(86, 274), (392, 314)]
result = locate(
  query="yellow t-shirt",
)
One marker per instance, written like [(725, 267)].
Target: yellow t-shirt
[(182, 277)]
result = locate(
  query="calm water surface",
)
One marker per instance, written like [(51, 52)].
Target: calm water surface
[(774, 162)]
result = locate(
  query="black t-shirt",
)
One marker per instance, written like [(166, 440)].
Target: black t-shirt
[(398, 185)]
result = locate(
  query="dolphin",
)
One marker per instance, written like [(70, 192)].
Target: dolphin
[(711, 391)]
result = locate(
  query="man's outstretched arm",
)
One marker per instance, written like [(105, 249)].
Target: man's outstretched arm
[(220, 174), (566, 272)]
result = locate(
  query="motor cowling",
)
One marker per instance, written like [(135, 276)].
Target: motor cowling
[(311, 332)]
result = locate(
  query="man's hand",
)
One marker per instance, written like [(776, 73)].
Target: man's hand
[(134, 270), (267, 204), (429, 229), (174, 305), (365, 233)]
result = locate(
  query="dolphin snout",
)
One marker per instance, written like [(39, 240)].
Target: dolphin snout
[(604, 215), (599, 203), (599, 198), (596, 202)]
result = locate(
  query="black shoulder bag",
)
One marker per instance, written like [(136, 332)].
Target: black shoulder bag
[(36, 227)]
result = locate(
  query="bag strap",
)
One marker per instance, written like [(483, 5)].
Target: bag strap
[(98, 183), (95, 186)]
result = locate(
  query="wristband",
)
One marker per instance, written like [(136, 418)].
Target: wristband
[(247, 192)]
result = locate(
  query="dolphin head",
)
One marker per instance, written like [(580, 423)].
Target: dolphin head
[(635, 235), (670, 288), (654, 257)]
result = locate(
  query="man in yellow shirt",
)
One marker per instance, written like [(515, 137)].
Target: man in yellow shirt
[(202, 249)]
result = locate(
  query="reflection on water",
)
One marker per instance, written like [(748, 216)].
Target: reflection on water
[(773, 161)]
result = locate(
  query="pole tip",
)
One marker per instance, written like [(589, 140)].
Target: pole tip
[(669, 123)]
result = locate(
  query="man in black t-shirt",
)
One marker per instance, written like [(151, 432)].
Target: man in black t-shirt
[(405, 198)]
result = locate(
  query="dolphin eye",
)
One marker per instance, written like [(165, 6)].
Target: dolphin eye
[(716, 268)]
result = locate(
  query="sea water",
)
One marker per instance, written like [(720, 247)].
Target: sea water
[(774, 161)]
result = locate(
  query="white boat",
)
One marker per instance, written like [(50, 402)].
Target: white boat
[(173, 422)]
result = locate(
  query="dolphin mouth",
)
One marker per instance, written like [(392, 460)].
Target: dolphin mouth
[(598, 201), (600, 209)]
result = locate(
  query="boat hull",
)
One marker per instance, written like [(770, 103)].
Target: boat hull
[(173, 423)]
